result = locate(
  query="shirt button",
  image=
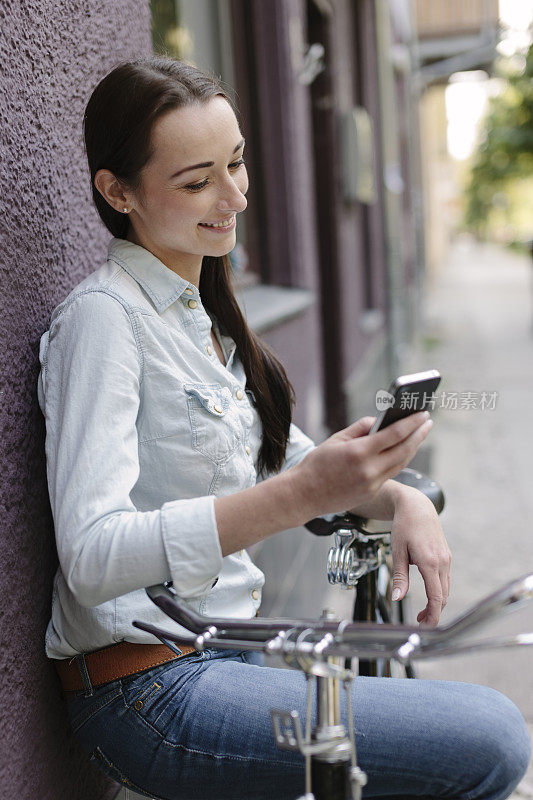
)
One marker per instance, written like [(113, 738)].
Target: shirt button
[(239, 394), (188, 290), (255, 594), (192, 303), (248, 451), (241, 552), (209, 350), (217, 409)]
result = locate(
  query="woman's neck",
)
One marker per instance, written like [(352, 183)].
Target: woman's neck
[(187, 266)]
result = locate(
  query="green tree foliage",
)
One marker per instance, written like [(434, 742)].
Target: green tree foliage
[(505, 152)]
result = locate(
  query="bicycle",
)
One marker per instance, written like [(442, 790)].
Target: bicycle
[(315, 647), (361, 559)]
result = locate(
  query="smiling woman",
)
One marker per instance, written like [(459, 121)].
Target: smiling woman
[(165, 177), (169, 213), (170, 449)]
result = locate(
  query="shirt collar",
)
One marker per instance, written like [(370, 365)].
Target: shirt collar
[(229, 347), (161, 284)]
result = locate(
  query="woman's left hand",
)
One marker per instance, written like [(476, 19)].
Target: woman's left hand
[(417, 538)]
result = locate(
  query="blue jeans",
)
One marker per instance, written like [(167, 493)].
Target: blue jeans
[(199, 728)]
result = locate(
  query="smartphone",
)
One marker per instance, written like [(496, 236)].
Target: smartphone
[(407, 395)]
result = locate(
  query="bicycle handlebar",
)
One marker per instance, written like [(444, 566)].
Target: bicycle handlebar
[(318, 639)]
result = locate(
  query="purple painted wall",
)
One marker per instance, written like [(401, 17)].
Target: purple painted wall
[(51, 57)]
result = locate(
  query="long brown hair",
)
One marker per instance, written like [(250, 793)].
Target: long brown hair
[(118, 124)]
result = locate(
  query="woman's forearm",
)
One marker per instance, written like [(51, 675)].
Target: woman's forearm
[(348, 470), (254, 514)]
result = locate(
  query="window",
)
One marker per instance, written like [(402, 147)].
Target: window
[(200, 31)]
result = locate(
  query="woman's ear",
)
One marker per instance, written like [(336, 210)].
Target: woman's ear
[(111, 190)]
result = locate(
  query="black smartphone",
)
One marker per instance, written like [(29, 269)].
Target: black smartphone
[(407, 395)]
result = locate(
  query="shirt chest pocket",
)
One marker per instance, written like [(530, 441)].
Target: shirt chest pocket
[(214, 425)]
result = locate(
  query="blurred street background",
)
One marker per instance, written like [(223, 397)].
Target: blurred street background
[(478, 329), (479, 322)]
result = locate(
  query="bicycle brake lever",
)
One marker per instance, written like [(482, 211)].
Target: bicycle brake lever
[(188, 638)]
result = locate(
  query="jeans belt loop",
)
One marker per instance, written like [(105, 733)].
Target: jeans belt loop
[(84, 672)]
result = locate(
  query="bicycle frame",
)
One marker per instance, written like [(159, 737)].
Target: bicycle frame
[(315, 647)]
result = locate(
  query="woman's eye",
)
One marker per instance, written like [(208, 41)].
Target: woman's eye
[(195, 187)]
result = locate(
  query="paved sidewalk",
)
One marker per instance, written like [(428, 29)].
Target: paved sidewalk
[(479, 335)]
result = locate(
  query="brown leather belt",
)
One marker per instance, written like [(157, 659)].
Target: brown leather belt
[(117, 661)]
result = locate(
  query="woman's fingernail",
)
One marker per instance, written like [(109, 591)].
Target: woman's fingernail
[(426, 414), (397, 593)]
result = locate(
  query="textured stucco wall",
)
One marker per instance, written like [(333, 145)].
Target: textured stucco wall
[(51, 55)]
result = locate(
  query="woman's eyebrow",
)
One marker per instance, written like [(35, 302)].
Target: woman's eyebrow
[(205, 164)]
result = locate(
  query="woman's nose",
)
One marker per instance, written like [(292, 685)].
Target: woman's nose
[(232, 196)]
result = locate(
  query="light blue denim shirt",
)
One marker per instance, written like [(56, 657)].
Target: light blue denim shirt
[(144, 428)]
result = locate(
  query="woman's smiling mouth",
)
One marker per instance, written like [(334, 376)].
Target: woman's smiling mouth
[(220, 227)]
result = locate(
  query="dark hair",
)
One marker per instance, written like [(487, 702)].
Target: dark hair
[(118, 124)]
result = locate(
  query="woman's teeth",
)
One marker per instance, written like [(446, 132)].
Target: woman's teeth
[(224, 224)]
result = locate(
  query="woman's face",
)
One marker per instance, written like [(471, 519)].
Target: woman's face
[(195, 179)]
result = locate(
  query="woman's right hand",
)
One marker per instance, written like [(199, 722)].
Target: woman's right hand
[(350, 467)]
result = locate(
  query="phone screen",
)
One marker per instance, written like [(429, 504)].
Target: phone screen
[(407, 395)]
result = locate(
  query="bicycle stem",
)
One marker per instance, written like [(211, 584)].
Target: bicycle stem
[(330, 755)]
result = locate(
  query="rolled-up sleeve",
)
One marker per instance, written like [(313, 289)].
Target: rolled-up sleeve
[(89, 390)]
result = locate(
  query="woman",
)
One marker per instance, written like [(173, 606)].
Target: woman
[(170, 449)]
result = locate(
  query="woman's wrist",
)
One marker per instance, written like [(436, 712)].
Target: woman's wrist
[(303, 500), (392, 496), (407, 499)]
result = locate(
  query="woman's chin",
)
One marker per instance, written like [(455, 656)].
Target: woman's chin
[(222, 250)]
